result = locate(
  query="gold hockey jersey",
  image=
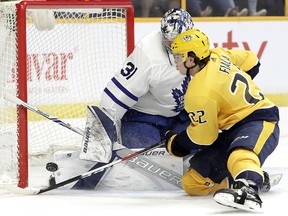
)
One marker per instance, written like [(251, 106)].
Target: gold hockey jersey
[(221, 95)]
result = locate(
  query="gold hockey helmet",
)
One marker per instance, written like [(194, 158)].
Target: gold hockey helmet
[(192, 40)]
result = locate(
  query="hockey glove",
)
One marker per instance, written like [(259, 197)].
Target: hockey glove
[(169, 137), (179, 145)]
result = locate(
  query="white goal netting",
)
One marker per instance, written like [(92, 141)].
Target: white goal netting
[(71, 53)]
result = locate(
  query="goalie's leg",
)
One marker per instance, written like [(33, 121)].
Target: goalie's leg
[(139, 130), (67, 165), (100, 134)]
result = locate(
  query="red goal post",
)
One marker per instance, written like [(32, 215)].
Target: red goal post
[(57, 56)]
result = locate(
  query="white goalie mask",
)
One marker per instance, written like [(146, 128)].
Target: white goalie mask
[(174, 22)]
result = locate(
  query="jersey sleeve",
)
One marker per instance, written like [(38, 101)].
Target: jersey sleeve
[(244, 59), (128, 84)]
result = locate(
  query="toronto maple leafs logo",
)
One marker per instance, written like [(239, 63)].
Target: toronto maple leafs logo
[(178, 94)]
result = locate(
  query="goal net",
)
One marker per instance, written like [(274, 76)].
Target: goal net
[(57, 56)]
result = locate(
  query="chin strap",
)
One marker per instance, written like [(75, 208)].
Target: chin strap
[(188, 68), (187, 72)]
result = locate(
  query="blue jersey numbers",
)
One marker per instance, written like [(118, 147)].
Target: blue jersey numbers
[(248, 97), (129, 70)]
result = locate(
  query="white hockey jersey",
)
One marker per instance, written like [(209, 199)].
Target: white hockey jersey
[(148, 82)]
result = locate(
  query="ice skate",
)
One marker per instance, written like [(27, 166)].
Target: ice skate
[(270, 180), (242, 196)]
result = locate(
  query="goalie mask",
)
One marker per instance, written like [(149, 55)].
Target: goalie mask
[(174, 22)]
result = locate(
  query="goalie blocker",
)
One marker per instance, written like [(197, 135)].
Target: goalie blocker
[(139, 173)]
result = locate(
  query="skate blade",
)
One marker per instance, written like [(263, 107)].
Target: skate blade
[(228, 201), (275, 179)]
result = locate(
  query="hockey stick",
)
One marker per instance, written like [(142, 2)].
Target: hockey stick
[(31, 191), (46, 115), (165, 174)]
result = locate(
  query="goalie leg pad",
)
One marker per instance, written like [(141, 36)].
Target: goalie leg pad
[(100, 133), (69, 165)]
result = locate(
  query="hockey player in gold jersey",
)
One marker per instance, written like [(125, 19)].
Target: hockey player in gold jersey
[(233, 128)]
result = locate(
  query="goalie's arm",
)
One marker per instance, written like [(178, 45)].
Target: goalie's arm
[(128, 85)]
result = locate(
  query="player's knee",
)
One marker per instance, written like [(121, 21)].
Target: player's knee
[(195, 184)]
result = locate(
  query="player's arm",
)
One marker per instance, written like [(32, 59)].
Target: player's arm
[(254, 70), (202, 131), (246, 60), (128, 84)]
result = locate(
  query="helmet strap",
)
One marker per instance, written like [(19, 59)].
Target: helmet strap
[(188, 68)]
